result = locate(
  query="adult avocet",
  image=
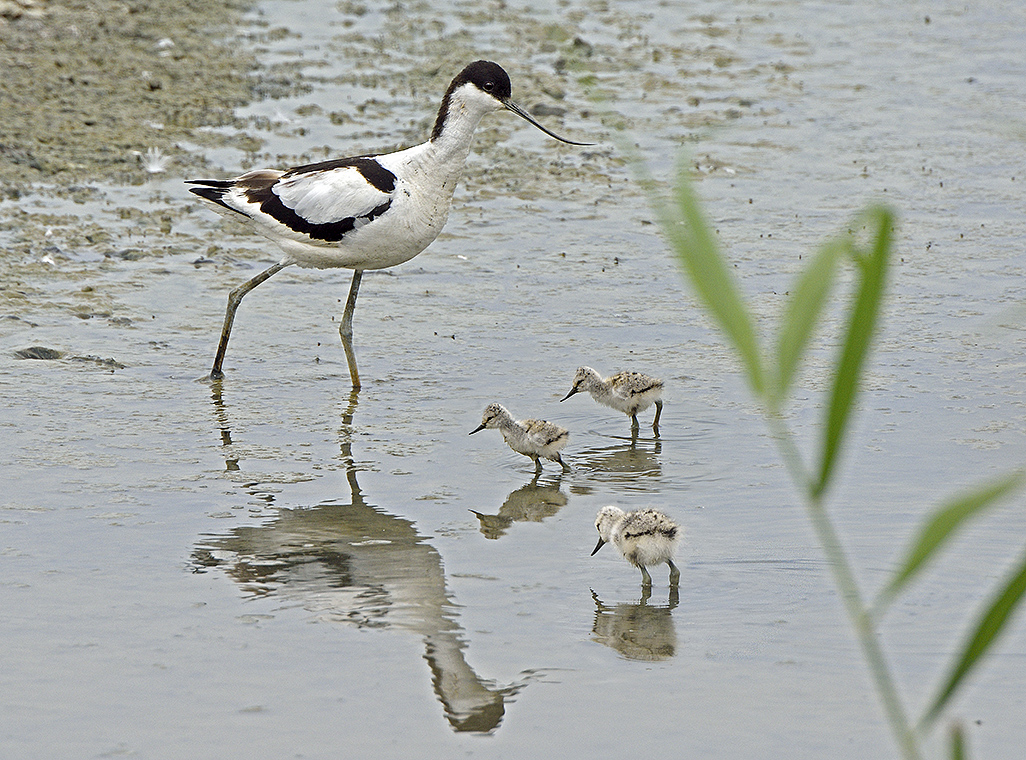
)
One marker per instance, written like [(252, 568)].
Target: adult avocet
[(364, 212)]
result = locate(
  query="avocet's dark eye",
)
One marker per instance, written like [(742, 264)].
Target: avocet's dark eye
[(489, 86)]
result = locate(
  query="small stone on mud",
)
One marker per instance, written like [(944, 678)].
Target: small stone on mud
[(37, 352)]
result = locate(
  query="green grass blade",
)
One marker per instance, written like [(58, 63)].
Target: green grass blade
[(865, 311), (803, 310), (958, 751), (944, 524), (993, 620), (706, 268)]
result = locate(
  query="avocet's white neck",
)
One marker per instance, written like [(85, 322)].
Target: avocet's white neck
[(458, 117)]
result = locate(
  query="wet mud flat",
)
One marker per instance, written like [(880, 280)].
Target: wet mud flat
[(88, 87), (105, 106)]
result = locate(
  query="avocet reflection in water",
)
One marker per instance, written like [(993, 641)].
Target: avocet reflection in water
[(348, 561)]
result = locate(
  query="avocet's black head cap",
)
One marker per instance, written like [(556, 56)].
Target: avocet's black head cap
[(488, 77), (492, 79)]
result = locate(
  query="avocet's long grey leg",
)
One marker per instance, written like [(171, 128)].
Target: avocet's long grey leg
[(234, 299), (646, 579), (659, 411), (634, 421), (345, 330), (674, 573)]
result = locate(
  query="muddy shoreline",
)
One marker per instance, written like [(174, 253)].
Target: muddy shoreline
[(99, 90)]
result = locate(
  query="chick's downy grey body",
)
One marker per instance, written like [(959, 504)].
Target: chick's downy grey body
[(537, 439), (627, 392), (645, 537)]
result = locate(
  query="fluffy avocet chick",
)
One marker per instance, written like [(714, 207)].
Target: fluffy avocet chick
[(627, 392), (645, 537), (537, 439)]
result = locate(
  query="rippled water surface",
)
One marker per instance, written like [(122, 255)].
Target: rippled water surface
[(275, 567)]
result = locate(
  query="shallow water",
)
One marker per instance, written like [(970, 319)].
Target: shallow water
[(272, 566)]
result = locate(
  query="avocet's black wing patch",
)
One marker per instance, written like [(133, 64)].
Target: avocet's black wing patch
[(376, 174), (323, 201)]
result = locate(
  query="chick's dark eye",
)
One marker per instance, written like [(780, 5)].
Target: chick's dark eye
[(489, 86)]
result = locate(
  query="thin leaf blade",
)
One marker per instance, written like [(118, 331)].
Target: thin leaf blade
[(798, 323), (707, 270), (993, 620), (946, 522), (958, 750), (858, 339)]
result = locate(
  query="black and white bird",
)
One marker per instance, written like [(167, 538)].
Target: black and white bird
[(645, 537), (364, 212)]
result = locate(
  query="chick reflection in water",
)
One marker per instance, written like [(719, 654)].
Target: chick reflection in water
[(625, 463), (356, 564), (637, 631), (529, 503)]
